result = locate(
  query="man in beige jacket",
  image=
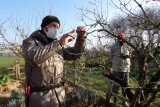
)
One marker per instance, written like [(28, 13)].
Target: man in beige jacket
[(44, 55), (120, 63)]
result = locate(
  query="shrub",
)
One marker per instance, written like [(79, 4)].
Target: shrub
[(16, 100), (4, 79)]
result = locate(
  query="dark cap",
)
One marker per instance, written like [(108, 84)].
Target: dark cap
[(48, 19)]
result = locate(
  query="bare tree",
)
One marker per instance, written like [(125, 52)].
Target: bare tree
[(142, 28), (12, 33), (14, 30)]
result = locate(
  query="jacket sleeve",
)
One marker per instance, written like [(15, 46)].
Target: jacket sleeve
[(73, 53), (112, 50), (37, 54)]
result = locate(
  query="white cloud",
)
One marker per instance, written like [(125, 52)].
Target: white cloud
[(152, 3)]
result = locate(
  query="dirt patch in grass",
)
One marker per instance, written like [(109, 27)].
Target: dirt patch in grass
[(18, 85), (5, 89)]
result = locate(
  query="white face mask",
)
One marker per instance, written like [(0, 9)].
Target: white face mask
[(52, 33)]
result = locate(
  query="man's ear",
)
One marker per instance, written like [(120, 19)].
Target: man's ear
[(45, 29)]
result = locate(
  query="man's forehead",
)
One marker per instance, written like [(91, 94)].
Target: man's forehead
[(54, 23)]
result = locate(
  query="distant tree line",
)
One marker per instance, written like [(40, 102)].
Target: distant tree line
[(7, 54)]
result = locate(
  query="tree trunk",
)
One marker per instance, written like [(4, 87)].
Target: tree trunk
[(142, 80), (143, 70)]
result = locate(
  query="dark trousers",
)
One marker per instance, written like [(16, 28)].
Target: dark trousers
[(124, 76)]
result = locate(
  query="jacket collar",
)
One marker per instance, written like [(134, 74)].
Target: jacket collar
[(40, 35)]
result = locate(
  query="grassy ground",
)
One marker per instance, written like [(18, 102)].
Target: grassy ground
[(6, 62), (102, 84), (10, 61)]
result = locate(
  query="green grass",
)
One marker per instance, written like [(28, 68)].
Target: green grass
[(7, 72), (6, 62), (94, 81), (99, 83), (22, 62), (10, 61), (83, 58), (103, 84)]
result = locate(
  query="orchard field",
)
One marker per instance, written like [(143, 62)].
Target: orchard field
[(10, 61)]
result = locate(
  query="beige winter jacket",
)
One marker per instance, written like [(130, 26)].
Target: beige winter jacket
[(45, 59), (121, 61), (44, 66)]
